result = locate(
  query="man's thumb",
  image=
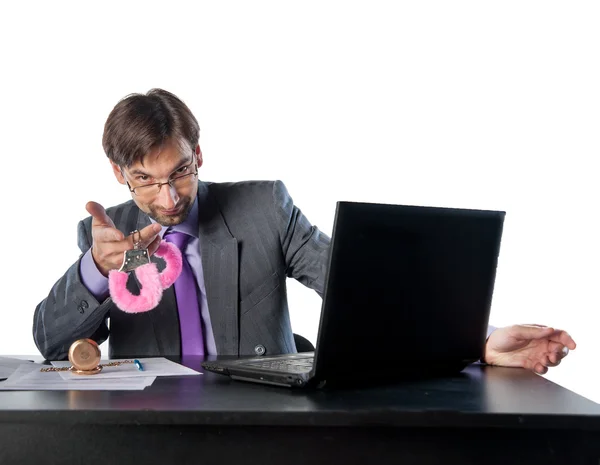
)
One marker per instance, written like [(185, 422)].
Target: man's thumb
[(533, 332)]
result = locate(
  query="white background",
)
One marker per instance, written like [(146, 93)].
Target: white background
[(476, 104)]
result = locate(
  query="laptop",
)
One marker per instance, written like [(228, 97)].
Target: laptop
[(408, 293)]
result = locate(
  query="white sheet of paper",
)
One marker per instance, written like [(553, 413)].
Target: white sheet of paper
[(28, 377), (156, 366), (9, 361), (5, 371), (9, 365)]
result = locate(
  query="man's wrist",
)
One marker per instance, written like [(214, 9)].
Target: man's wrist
[(92, 278), (490, 330)]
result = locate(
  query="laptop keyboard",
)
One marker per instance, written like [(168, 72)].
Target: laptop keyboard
[(303, 365)]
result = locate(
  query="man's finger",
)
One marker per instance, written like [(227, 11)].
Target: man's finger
[(541, 369), (532, 332), (154, 245), (146, 235), (554, 359), (108, 234), (563, 338), (556, 347), (99, 216)]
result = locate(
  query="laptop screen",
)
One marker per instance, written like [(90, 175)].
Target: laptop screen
[(407, 285)]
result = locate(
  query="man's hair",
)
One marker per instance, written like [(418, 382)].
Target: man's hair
[(141, 123)]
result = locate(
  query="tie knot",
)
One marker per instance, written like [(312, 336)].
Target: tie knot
[(178, 238)]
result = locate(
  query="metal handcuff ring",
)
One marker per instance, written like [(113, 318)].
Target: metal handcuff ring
[(152, 282)]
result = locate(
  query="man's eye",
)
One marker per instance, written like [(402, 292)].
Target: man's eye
[(143, 178), (182, 170)]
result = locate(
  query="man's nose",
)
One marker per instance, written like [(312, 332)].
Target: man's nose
[(167, 197)]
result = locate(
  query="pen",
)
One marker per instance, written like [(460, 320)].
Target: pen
[(139, 365)]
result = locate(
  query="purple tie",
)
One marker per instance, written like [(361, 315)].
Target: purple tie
[(190, 325)]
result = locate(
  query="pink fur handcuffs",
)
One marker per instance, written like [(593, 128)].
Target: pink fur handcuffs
[(152, 282)]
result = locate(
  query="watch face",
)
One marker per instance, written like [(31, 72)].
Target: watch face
[(84, 355)]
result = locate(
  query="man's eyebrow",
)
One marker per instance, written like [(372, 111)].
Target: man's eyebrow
[(183, 163), (137, 171)]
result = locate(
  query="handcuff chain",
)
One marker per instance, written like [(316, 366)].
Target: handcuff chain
[(137, 245), (111, 364)]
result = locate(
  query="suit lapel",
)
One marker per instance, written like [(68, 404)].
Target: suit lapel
[(219, 252)]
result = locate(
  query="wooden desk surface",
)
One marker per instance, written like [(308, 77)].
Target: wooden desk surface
[(454, 418)]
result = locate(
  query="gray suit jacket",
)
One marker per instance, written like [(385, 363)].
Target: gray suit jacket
[(252, 237)]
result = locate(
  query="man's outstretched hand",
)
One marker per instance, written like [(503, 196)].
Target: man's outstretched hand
[(534, 347), (109, 243)]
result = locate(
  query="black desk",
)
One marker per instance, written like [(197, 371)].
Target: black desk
[(486, 415)]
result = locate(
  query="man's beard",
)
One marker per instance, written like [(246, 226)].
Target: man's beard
[(172, 220)]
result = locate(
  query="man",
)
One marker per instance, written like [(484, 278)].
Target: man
[(239, 242)]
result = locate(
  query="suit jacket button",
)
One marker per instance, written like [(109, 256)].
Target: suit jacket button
[(260, 349), (81, 309), (84, 304)]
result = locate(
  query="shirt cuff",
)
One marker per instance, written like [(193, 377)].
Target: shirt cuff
[(91, 277)]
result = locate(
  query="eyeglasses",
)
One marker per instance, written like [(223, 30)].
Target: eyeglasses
[(180, 181)]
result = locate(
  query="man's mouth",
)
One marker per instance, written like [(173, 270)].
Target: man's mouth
[(175, 211)]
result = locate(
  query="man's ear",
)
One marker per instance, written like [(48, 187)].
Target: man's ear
[(118, 173), (198, 156)]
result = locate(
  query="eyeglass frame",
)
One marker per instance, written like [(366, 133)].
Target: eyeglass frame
[(160, 184)]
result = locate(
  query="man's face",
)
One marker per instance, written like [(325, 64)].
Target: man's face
[(169, 205)]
